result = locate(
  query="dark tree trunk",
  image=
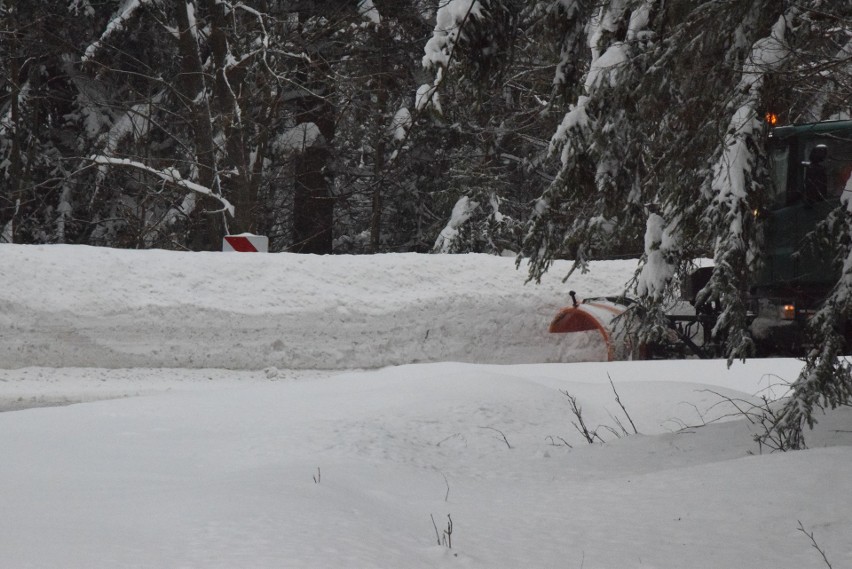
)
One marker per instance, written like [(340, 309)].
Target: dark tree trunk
[(313, 203), (229, 94)]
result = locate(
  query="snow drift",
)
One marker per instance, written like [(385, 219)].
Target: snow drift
[(95, 307)]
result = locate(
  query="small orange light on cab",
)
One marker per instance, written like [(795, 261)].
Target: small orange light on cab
[(771, 119), (788, 312)]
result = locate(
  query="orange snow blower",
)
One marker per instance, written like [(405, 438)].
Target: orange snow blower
[(596, 314)]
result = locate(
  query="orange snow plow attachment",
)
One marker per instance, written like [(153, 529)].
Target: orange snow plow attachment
[(598, 315)]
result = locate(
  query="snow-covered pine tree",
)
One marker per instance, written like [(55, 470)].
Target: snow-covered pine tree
[(36, 98), (662, 136), (378, 183), (489, 59)]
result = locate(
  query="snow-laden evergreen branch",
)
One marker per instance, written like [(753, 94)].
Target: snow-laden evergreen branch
[(438, 53), (461, 212), (116, 24), (826, 380), (135, 123), (171, 176), (837, 68), (732, 184), (586, 134), (658, 270)]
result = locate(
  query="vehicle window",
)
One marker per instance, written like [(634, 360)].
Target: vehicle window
[(837, 164), (778, 166)]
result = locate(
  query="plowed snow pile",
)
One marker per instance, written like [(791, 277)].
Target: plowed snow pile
[(84, 306)]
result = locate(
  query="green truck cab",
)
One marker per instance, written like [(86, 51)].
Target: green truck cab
[(810, 167)]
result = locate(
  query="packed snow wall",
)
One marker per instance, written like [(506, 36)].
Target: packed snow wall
[(65, 305)]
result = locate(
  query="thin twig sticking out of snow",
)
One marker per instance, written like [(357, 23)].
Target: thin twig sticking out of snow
[(620, 404), (448, 533), (437, 533), (592, 435), (505, 440), (814, 543), (578, 413), (447, 482)]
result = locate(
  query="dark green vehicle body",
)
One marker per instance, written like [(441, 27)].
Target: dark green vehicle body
[(794, 275), (793, 279), (810, 168)]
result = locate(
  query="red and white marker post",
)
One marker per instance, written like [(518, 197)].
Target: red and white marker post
[(245, 243)]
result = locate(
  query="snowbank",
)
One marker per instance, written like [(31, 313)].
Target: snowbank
[(96, 307)]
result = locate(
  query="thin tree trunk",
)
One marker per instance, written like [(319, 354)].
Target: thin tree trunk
[(8, 206), (208, 229), (379, 137), (227, 87)]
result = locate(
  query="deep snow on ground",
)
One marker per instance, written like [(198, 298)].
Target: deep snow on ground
[(281, 462)]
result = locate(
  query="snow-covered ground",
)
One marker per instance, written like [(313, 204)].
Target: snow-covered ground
[(227, 423)]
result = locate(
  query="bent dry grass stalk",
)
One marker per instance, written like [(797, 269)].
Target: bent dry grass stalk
[(592, 435)]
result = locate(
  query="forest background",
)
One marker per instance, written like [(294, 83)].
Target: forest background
[(548, 129)]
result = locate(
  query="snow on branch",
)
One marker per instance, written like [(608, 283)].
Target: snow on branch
[(400, 124), (427, 95), (736, 159), (605, 69), (171, 176), (126, 11), (135, 122), (368, 11), (731, 171), (450, 20), (462, 211), (438, 53), (299, 138), (576, 120), (660, 245)]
